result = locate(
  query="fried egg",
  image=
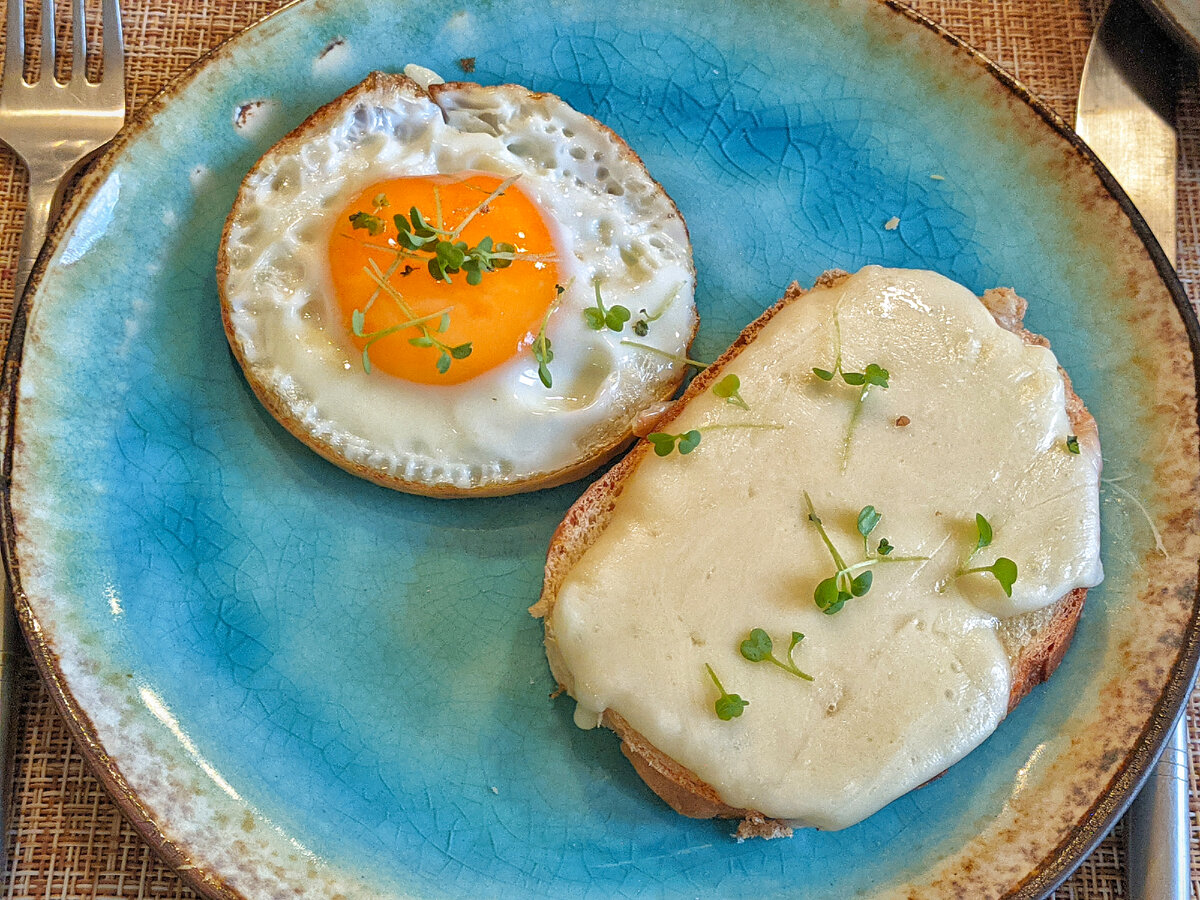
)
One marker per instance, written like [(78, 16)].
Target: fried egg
[(455, 289)]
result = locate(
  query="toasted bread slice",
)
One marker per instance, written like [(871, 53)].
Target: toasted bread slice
[(1034, 642)]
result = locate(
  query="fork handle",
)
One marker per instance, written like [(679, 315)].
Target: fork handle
[(44, 186)]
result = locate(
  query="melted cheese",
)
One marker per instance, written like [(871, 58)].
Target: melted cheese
[(702, 548)]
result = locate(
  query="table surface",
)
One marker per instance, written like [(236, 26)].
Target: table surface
[(66, 838)]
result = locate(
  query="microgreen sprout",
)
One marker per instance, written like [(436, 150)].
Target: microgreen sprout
[(445, 255), (598, 318), (665, 444), (758, 647), (1004, 570), (728, 389), (688, 441), (1073, 444), (851, 580), (874, 375), (641, 326), (728, 706), (832, 593), (415, 234), (542, 351), (427, 338), (357, 321)]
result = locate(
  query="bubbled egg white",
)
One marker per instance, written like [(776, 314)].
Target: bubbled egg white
[(502, 430)]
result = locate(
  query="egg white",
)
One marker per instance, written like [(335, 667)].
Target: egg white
[(502, 431)]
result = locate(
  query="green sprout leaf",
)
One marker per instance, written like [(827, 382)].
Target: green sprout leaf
[(983, 530), (729, 390), (616, 317), (598, 318), (665, 443), (868, 518), (372, 224), (407, 236), (503, 257), (876, 375), (420, 227), (1005, 571), (730, 706), (757, 646), (451, 255), (861, 584), (827, 595), (885, 547), (1073, 444), (823, 374)]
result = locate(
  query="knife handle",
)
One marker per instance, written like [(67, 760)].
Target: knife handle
[(1158, 827)]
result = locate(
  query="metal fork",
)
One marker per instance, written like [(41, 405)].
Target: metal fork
[(52, 127)]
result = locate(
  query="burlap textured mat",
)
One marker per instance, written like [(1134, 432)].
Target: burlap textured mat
[(67, 839)]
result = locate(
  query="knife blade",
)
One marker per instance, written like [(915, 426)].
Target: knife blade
[(1125, 114)]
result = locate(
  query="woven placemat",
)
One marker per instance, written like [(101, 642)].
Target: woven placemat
[(67, 839)]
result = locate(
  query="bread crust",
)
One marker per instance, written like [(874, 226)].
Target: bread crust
[(401, 86), (679, 787)]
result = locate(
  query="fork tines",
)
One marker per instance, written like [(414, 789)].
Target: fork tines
[(112, 58)]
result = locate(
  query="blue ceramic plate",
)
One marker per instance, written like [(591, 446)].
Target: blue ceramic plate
[(300, 684)]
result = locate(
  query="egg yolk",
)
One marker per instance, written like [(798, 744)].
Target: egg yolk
[(498, 318)]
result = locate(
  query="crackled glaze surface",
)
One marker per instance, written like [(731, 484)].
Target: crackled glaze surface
[(300, 684)]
